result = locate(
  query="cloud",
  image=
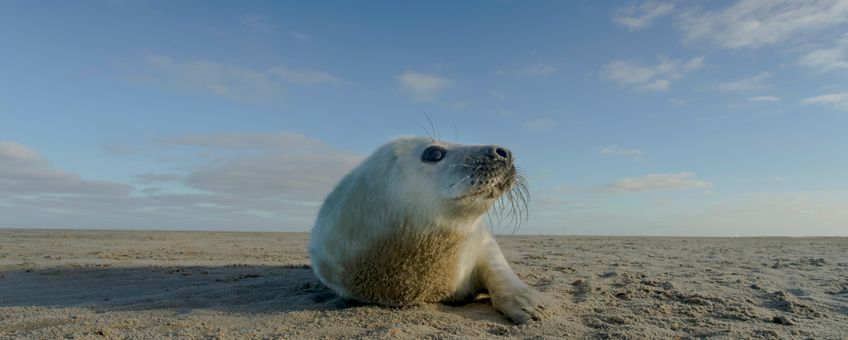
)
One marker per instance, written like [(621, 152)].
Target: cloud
[(257, 23), (156, 177), (828, 59), (749, 84), (771, 213), (540, 124), (270, 181), (835, 100), (224, 80), (304, 76), (300, 36), (637, 17), (765, 99), (23, 171), (655, 78), (424, 85), (615, 150), (653, 182), (267, 165), (210, 77), (756, 23), (249, 141), (538, 70)]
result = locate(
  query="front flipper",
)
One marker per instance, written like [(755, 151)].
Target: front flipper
[(509, 294)]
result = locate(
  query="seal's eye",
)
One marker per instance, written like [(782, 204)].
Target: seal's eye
[(434, 154)]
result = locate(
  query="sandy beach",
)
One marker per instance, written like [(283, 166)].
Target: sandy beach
[(116, 284)]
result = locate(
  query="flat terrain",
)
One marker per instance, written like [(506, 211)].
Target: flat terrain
[(94, 284)]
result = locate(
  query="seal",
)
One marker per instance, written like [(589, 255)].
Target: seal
[(406, 227)]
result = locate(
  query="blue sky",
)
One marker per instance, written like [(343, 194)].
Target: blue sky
[(649, 118)]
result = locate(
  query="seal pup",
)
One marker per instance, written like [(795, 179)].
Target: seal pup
[(405, 227)]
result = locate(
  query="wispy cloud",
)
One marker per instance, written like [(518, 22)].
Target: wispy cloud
[(765, 99), (257, 23), (655, 78), (652, 182), (749, 84), (157, 177), (615, 150), (540, 124), (639, 16), (835, 100), (828, 59), (755, 23), (538, 70), (225, 80), (249, 141), (424, 85), (208, 76), (304, 76), (300, 36), (24, 171), (245, 180), (267, 165), (772, 213)]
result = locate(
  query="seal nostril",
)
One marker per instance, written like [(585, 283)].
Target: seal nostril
[(504, 153)]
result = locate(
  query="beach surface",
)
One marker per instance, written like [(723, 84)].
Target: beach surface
[(138, 284)]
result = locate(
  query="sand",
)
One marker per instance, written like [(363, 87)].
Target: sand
[(112, 284)]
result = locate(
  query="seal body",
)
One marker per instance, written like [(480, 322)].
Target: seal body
[(405, 227)]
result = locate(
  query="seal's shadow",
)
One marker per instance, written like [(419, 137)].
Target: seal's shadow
[(233, 288), (242, 288)]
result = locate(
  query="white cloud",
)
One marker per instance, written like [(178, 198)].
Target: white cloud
[(540, 124), (271, 181), (615, 150), (23, 171), (14, 152), (766, 99), (424, 85), (208, 76), (257, 24), (651, 182), (224, 80), (770, 213), (828, 59), (279, 165), (294, 142), (749, 84), (300, 36), (835, 100), (304, 76), (755, 23), (538, 70), (156, 177), (654, 78), (640, 16)]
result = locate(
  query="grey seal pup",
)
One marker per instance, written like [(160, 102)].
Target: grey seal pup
[(406, 227)]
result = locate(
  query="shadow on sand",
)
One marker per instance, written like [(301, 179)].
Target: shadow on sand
[(238, 288)]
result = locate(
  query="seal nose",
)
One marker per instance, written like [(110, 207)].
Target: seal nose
[(499, 153)]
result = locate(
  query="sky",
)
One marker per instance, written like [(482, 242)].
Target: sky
[(683, 118)]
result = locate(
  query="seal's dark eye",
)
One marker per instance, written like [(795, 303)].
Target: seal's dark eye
[(434, 154)]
